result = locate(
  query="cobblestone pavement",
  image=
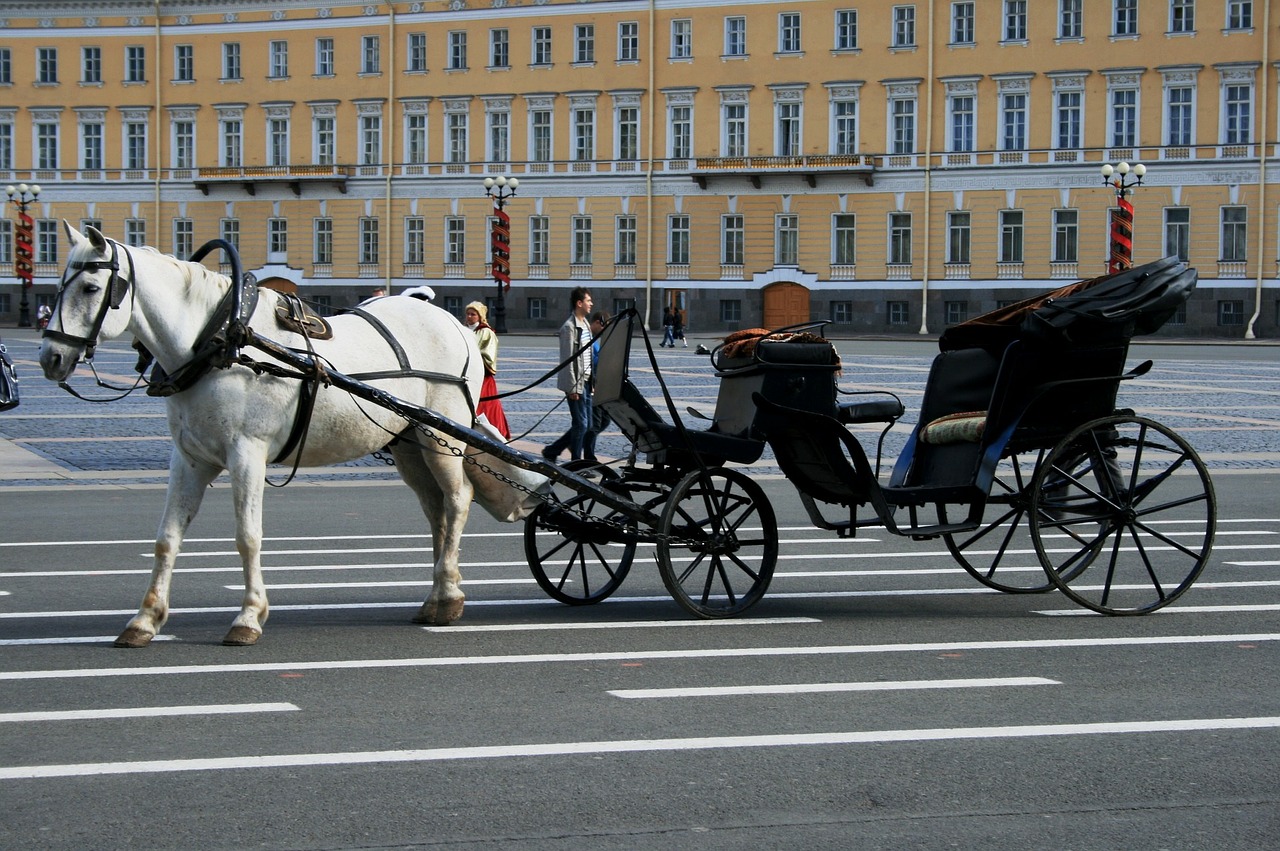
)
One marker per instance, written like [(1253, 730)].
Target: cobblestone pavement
[(1225, 399)]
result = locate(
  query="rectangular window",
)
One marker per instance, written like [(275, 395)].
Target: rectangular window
[(843, 239), (322, 241), (788, 142), (539, 240), (904, 26), (678, 240), (541, 54), (135, 145), (415, 135), (326, 140), (730, 310), (1182, 16), (47, 65), (1237, 103), (1070, 114), (47, 144), (842, 312), (789, 32), (1180, 115), (46, 241), (628, 133), (370, 139), (1239, 14), (230, 230), (370, 55), (499, 137), (735, 36), (324, 57), (6, 66), (416, 59), (183, 237), (231, 60), (91, 146), (6, 146), (1066, 236), (277, 141), (1231, 312), (278, 64), (735, 130), (897, 312), (278, 238), (629, 41), (499, 49), (900, 239), (1124, 118), (959, 238), (1125, 20), (6, 250), (584, 134), (962, 15), (1010, 236), (369, 238), (904, 126), (1015, 20), (846, 29), (184, 144), (1235, 234), (91, 64), (1013, 119), (184, 63), (456, 136), (680, 125), (1177, 232), (732, 240), (626, 241), (415, 238), (962, 116), (582, 248), (786, 242), (1071, 19), (457, 50), (537, 308), (540, 135), (232, 144), (681, 39), (955, 312), (584, 43), (135, 232), (844, 125), (135, 64)]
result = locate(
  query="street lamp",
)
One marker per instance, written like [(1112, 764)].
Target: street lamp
[(21, 196), (1124, 178), (500, 189)]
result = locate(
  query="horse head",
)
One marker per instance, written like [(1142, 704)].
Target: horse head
[(88, 307)]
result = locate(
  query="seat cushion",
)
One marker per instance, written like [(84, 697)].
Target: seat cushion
[(964, 427)]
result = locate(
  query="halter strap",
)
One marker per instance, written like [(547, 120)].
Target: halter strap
[(117, 287)]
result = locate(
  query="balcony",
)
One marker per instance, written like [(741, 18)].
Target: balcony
[(293, 176), (808, 166)]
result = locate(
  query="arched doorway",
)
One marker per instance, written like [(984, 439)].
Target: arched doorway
[(280, 285), (785, 304)]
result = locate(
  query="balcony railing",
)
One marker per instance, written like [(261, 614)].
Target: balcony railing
[(294, 176)]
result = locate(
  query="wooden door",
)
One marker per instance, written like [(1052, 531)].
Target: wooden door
[(785, 304)]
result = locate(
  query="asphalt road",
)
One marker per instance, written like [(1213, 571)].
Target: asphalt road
[(877, 697)]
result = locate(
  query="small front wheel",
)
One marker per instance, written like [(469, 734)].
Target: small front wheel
[(1123, 515), (718, 543)]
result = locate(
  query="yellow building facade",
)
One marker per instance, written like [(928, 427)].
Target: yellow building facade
[(893, 167)]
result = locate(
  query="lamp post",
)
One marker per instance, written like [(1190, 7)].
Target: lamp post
[(1124, 178), (21, 196), (500, 189)]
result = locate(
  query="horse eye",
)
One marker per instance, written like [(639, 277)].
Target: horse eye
[(92, 288)]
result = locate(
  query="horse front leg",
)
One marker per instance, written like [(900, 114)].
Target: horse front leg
[(248, 468), (187, 483)]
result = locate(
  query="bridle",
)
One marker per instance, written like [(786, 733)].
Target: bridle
[(117, 287)]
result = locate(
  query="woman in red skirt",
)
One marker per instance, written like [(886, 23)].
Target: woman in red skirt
[(476, 317)]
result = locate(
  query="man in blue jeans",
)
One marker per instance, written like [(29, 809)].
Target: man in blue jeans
[(575, 337)]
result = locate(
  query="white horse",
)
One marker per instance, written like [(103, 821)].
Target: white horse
[(236, 419)]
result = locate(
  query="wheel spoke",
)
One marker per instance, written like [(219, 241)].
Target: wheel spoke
[(1146, 562)]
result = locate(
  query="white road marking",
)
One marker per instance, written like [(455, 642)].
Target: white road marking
[(74, 639), (313, 586), (1178, 609), (823, 688), (145, 712), (98, 769), (637, 655), (552, 627)]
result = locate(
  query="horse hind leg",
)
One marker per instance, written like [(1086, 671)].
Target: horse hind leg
[(248, 474), (187, 483), (446, 501)]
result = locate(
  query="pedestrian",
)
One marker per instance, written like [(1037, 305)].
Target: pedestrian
[(599, 417), (575, 351), (668, 329), (677, 328), (477, 315)]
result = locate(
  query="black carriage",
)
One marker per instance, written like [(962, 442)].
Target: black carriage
[(1020, 461)]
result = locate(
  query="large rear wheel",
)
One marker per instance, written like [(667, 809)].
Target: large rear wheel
[(1123, 515), (718, 543)]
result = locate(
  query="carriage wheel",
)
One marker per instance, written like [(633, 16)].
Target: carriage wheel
[(999, 553), (1122, 515), (574, 556), (718, 543)]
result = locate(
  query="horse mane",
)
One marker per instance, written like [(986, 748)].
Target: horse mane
[(192, 275)]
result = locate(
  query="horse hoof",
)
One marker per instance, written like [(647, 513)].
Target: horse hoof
[(439, 614), (241, 636), (134, 637)]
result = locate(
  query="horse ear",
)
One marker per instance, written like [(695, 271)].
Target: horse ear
[(72, 234), (96, 239)]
